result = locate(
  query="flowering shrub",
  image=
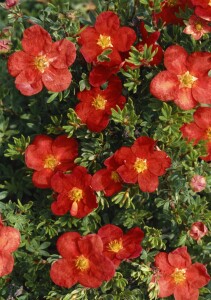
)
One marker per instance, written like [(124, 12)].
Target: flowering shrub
[(105, 135)]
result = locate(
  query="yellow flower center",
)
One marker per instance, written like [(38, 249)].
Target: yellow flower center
[(104, 41), (75, 194), (186, 80), (179, 275), (50, 162), (209, 134), (99, 102), (41, 63), (115, 246), (172, 2), (209, 3), (115, 176), (198, 26), (140, 165), (82, 263)]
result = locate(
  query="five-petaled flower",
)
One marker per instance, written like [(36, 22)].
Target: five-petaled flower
[(198, 230), (47, 156), (197, 27), (95, 106), (143, 164), (41, 62), (107, 179), (74, 193), (118, 246), (198, 183), (186, 79), (82, 261), (9, 242), (178, 276), (200, 129), (106, 34)]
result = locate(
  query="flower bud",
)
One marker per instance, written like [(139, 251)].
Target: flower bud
[(10, 3), (5, 46), (198, 230), (198, 183)]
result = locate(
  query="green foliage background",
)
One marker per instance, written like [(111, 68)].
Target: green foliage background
[(165, 215)]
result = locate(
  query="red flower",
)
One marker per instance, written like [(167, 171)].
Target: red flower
[(178, 276), (197, 27), (47, 156), (186, 79), (106, 34), (198, 183), (198, 230), (108, 180), (82, 261), (143, 164), (169, 9), (150, 40), (41, 62), (203, 9), (5, 46), (200, 129), (95, 107), (118, 246), (9, 242), (11, 3), (74, 193)]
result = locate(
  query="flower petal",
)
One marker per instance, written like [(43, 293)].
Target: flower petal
[(175, 58), (42, 178), (28, 82), (124, 39), (63, 54), (201, 90), (64, 148), (192, 132), (9, 239), (63, 274), (202, 117), (185, 99), (67, 244), (6, 263), (199, 63), (164, 86), (19, 61), (197, 276), (36, 40), (56, 80), (107, 23), (147, 181)]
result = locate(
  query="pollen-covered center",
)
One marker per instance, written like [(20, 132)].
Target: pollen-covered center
[(208, 132), (82, 263), (140, 165), (172, 2), (41, 63), (50, 162), (179, 275), (198, 26), (186, 80), (99, 102), (115, 176), (115, 246), (104, 41), (209, 3), (75, 194)]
